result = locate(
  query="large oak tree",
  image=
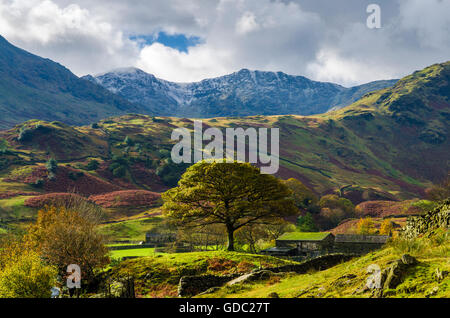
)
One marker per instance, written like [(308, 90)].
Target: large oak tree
[(233, 194)]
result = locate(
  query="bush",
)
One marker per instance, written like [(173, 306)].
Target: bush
[(128, 141), (387, 227), (366, 226), (24, 275), (170, 172), (440, 191), (39, 183), (92, 165), (119, 171), (3, 145), (306, 223), (70, 236), (51, 165), (335, 209), (75, 175), (303, 197)]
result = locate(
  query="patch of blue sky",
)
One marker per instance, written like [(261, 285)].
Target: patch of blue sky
[(179, 42)]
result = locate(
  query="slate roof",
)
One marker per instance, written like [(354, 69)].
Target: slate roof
[(304, 236), (357, 238)]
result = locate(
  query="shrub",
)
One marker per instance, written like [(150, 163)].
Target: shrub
[(220, 264), (335, 209), (70, 236), (119, 171), (128, 141), (92, 165), (3, 145), (306, 223), (51, 165), (39, 183), (303, 197), (24, 275), (75, 175), (386, 227), (366, 226)]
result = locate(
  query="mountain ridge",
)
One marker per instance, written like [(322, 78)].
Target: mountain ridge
[(32, 87), (394, 140), (242, 93)]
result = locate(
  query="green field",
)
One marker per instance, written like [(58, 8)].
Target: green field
[(136, 252), (14, 208), (131, 230)]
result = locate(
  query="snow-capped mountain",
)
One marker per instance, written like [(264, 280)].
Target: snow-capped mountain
[(243, 93)]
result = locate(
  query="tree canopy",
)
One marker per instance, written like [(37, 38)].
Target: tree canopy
[(233, 194), (65, 236)]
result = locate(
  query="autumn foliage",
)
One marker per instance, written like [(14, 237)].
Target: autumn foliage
[(131, 198), (63, 237), (50, 199), (366, 226), (23, 274)]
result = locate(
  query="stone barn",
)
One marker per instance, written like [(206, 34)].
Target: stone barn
[(307, 244), (359, 244)]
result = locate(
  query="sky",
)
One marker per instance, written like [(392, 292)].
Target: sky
[(190, 40)]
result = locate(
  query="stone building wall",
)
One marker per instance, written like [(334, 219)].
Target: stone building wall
[(356, 247)]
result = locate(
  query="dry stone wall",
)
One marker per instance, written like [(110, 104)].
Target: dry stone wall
[(437, 218)]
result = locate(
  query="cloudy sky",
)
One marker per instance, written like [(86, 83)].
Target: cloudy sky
[(189, 40)]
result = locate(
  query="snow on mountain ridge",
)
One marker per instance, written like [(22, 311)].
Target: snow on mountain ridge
[(245, 92)]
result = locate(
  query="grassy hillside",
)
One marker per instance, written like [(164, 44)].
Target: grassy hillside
[(158, 275), (391, 144), (348, 279)]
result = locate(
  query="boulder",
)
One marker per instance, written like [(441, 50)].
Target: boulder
[(251, 277), (408, 259)]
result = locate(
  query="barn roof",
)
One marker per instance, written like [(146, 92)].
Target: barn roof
[(358, 238), (304, 236)]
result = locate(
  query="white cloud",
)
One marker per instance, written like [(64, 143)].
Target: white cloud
[(322, 40), (247, 23), (199, 63), (70, 35), (255, 34), (430, 19)]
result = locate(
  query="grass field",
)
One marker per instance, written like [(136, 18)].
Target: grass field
[(132, 230), (14, 208), (136, 252)]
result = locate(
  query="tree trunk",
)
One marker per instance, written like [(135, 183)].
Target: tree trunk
[(230, 231)]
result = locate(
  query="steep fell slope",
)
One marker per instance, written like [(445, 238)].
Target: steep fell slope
[(32, 87)]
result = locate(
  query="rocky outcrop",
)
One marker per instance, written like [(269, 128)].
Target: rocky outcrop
[(394, 275), (437, 218)]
